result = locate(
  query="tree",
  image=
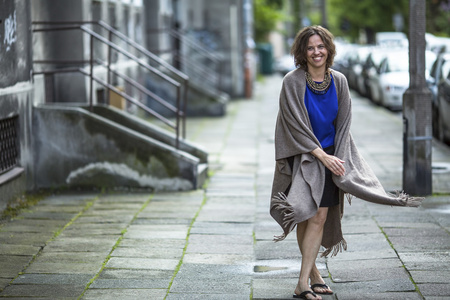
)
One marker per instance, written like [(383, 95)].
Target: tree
[(438, 17), (267, 13), (350, 16)]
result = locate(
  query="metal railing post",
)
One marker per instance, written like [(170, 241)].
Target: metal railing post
[(185, 99), (109, 67), (91, 74), (178, 116)]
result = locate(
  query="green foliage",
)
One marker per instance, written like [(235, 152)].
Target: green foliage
[(438, 17), (352, 16), (267, 13), (21, 203)]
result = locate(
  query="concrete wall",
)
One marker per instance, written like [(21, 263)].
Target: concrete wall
[(76, 148), (223, 21), (16, 91), (73, 45)]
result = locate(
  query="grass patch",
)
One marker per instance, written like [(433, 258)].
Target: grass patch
[(20, 203), (119, 240), (180, 263), (403, 264)]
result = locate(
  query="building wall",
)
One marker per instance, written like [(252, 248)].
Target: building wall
[(220, 23), (15, 95)]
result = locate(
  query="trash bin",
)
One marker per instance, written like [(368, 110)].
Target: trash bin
[(265, 53)]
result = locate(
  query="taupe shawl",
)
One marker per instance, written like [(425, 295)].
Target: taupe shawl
[(294, 137)]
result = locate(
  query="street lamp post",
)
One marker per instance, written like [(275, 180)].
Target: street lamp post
[(417, 133)]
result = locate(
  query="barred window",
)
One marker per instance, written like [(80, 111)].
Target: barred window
[(9, 144)]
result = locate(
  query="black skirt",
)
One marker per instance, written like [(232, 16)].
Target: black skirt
[(330, 196)]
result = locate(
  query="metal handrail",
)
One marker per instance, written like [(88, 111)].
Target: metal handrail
[(214, 67), (93, 35), (113, 88)]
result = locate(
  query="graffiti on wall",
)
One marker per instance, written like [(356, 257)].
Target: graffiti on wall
[(10, 31)]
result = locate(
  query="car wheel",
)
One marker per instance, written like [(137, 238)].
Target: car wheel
[(372, 97), (435, 123), (440, 133)]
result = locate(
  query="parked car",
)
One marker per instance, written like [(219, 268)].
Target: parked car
[(371, 69), (443, 100), (284, 64), (344, 57), (398, 39), (392, 78), (437, 44), (357, 69), (436, 76)]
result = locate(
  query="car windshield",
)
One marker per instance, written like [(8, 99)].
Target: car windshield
[(446, 69), (398, 63)]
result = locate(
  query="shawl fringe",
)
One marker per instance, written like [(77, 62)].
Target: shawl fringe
[(349, 198), (280, 203), (334, 250), (406, 200)]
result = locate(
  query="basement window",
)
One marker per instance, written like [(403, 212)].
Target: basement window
[(9, 144)]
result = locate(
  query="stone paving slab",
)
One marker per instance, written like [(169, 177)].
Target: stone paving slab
[(425, 243), (153, 243), (27, 250), (238, 284), (426, 260), (135, 274), (64, 268), (144, 252), (11, 265), (142, 263), (219, 248), (49, 279), (54, 291), (25, 238), (222, 228), (69, 257), (428, 289), (131, 283), (82, 244), (212, 258), (430, 276), (265, 250), (124, 294)]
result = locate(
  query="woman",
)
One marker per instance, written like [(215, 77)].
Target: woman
[(317, 161)]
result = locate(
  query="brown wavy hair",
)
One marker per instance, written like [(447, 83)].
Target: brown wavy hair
[(300, 45)]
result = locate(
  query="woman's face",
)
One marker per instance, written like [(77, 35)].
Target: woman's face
[(316, 53)]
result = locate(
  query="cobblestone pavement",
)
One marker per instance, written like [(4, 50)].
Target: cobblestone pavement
[(216, 243)]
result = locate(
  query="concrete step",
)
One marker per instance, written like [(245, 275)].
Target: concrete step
[(76, 148)]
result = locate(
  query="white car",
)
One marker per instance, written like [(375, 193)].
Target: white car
[(392, 78)]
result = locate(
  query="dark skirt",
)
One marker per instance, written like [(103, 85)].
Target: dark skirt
[(330, 196)]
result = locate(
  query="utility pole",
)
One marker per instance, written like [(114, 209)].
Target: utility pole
[(417, 133), (323, 10)]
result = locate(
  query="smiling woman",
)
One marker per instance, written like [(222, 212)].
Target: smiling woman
[(317, 161)]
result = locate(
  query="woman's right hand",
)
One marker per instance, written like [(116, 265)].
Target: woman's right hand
[(333, 163)]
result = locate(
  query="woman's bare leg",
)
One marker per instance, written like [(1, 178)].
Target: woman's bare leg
[(309, 238), (315, 276)]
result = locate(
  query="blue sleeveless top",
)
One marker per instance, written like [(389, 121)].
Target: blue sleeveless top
[(322, 111)]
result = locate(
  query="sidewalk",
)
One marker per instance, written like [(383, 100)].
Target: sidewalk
[(217, 243)]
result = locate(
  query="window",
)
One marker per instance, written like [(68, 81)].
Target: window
[(9, 144)]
